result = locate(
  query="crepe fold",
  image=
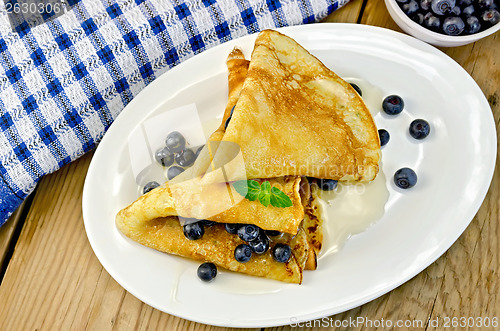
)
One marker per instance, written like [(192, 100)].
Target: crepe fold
[(197, 194), (217, 246), (218, 202), (288, 117), (295, 117)]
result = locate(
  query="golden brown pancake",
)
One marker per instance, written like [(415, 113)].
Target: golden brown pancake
[(218, 202), (290, 117), (295, 117), (237, 67), (217, 246)]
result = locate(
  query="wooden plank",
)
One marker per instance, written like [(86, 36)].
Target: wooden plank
[(347, 14), (471, 282), (465, 281), (55, 282), (376, 14), (7, 233)]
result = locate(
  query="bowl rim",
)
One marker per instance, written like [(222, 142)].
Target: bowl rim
[(436, 35)]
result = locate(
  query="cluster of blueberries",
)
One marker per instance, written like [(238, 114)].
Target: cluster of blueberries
[(174, 151), (452, 17), (256, 241), (418, 129)]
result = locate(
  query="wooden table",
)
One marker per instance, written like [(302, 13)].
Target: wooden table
[(51, 279)]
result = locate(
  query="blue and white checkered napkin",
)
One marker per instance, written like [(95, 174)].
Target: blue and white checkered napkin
[(64, 80)]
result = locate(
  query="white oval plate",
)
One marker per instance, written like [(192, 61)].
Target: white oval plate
[(454, 164)]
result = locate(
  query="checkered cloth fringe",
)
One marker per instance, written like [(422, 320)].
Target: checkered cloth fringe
[(63, 81)]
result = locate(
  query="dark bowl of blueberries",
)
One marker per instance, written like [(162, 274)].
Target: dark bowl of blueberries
[(446, 23)]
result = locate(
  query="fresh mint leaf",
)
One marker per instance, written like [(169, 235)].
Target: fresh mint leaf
[(265, 193), (250, 189), (279, 198), (253, 190)]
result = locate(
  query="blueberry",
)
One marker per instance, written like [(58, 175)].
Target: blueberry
[(464, 3), (164, 157), (485, 4), (469, 10), (453, 25), (272, 233), (310, 180), (207, 271), (260, 244), (232, 228), (402, 1), (243, 253), (432, 22), (393, 104), (281, 252), (199, 150), (419, 129), (193, 231), (384, 136), (327, 184), (357, 88), (175, 142), (410, 7), (229, 118), (405, 178), (248, 232), (149, 186), (425, 4), (456, 11), (490, 17), (208, 223), (185, 158), (472, 25), (442, 7), (417, 18), (174, 171), (227, 122)]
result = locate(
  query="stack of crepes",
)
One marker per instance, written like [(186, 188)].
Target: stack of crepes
[(288, 118)]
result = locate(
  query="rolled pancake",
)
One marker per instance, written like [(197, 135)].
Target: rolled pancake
[(218, 202), (202, 197), (237, 67), (294, 116), (147, 220), (217, 246)]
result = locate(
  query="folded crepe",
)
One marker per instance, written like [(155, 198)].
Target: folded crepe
[(217, 246), (205, 197), (218, 202), (151, 220), (288, 116), (295, 117)]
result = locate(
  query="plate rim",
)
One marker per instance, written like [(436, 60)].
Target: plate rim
[(318, 313)]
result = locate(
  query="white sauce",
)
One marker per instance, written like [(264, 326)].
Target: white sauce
[(350, 209), (353, 207), (372, 95)]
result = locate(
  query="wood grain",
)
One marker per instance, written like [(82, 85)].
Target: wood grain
[(349, 13), (54, 281), (7, 233)]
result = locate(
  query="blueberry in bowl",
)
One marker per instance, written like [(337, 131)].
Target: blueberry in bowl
[(446, 23)]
